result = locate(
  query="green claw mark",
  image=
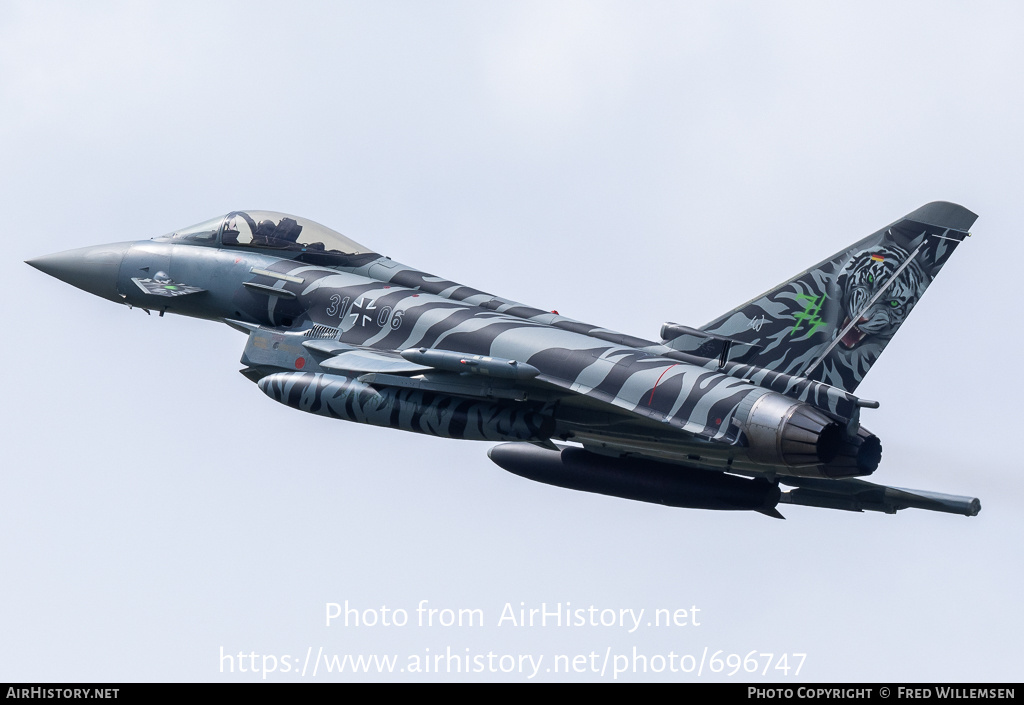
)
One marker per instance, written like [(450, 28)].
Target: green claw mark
[(809, 314)]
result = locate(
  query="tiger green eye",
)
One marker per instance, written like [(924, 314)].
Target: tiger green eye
[(894, 303), (871, 279)]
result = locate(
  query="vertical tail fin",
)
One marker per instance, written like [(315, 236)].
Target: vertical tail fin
[(831, 322)]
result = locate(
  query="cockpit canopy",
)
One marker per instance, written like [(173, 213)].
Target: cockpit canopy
[(266, 229)]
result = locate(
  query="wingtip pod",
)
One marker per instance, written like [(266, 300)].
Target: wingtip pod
[(859, 496)]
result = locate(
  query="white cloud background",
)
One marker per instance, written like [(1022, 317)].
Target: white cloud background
[(625, 163)]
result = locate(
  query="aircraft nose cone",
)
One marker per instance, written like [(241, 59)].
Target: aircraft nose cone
[(92, 269)]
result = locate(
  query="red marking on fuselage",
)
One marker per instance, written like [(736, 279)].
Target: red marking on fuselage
[(657, 383), (300, 362)]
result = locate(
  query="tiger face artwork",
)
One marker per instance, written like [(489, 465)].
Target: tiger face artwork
[(861, 280), (830, 322)]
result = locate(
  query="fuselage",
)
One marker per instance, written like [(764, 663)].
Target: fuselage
[(372, 301), (766, 390), (594, 385)]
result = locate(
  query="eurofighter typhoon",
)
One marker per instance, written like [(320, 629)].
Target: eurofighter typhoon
[(754, 409)]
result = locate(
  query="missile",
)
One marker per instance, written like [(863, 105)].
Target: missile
[(475, 364), (637, 479), (857, 495)]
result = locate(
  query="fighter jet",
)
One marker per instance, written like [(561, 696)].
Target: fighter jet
[(755, 409)]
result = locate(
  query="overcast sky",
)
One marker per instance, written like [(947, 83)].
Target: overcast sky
[(625, 163)]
